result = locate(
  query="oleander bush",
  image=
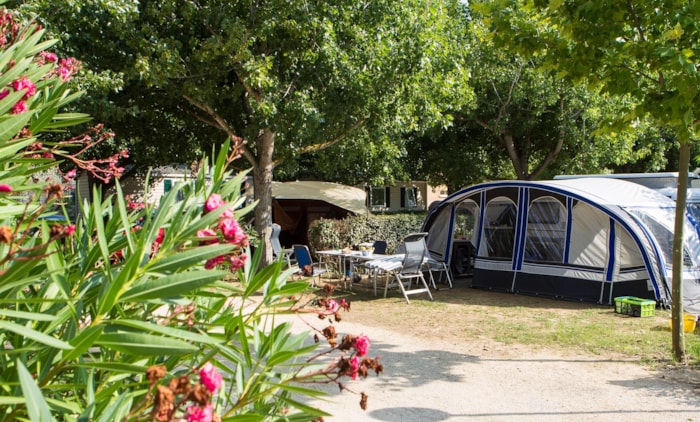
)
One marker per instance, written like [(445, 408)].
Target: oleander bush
[(134, 313)]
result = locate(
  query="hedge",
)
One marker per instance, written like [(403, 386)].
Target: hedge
[(327, 234)]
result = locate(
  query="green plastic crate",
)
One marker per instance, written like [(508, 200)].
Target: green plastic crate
[(634, 306), (622, 304), (642, 307)]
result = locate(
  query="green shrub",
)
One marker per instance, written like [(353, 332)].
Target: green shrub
[(137, 313), (332, 234)]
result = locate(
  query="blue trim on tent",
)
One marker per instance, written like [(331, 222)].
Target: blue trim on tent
[(567, 193), (520, 229), (612, 252), (569, 223), (482, 217), (448, 247)]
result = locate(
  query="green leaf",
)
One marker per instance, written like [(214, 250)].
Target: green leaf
[(37, 408), (116, 367), (169, 331), (188, 258), (83, 341), (8, 102), (45, 116), (30, 316), (140, 344), (9, 401), (62, 121), (115, 409), (172, 285), (34, 335), (11, 126)]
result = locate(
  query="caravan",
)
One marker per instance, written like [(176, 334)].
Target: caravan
[(588, 239)]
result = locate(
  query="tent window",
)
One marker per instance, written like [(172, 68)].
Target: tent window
[(499, 230), (546, 231), (465, 220)]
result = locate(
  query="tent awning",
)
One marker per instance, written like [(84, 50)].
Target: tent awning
[(346, 197)]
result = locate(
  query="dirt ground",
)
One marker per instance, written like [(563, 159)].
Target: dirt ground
[(443, 363)]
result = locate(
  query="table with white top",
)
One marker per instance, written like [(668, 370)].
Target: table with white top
[(351, 258)]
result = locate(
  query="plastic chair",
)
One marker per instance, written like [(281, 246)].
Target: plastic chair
[(433, 264), (411, 267), (307, 267), (277, 249)]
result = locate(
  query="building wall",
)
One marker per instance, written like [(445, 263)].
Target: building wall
[(399, 197)]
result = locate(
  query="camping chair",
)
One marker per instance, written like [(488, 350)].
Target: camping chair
[(307, 267), (411, 267), (433, 264), (277, 249)]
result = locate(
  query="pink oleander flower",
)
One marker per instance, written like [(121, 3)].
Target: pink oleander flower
[(355, 366), (210, 235), (200, 414), (232, 231), (67, 68), (5, 188), (214, 262), (70, 174), (70, 229), (4, 93), (46, 56), (24, 83), (210, 377), (213, 202), (237, 261), (20, 107), (361, 344), (332, 306), (160, 236)]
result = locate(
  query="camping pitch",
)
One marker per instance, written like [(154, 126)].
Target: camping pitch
[(588, 239)]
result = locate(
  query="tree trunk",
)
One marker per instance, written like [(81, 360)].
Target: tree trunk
[(677, 336), (262, 186)]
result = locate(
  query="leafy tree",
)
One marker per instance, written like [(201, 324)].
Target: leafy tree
[(526, 117), (281, 78), (645, 50)]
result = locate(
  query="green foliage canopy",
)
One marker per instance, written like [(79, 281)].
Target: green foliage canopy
[(283, 77)]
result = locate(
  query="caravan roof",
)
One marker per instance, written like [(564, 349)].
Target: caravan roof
[(650, 180)]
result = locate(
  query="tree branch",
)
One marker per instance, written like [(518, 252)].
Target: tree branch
[(323, 145), (219, 122)]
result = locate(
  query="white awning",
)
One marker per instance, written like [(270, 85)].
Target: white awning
[(346, 197)]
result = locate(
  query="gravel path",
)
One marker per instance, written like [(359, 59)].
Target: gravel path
[(436, 380)]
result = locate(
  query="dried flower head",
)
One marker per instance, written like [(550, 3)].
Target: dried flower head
[(5, 234), (155, 373), (54, 191)]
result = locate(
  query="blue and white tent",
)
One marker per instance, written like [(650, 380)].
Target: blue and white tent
[(588, 239)]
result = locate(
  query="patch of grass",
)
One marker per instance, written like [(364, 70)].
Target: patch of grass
[(468, 314)]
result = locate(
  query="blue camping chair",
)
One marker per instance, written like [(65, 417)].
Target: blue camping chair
[(307, 267)]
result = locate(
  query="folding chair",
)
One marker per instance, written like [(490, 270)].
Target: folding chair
[(433, 264), (411, 267), (277, 249), (307, 267)]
